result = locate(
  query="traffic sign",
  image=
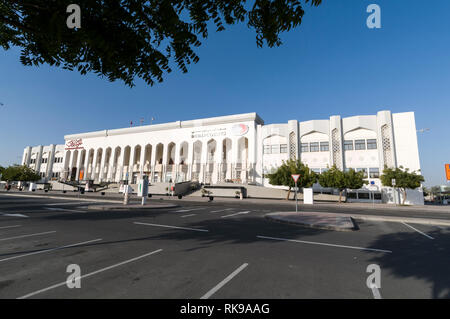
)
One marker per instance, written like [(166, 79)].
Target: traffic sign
[(295, 177), (393, 182), (447, 171)]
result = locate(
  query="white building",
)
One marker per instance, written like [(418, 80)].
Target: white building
[(236, 148)]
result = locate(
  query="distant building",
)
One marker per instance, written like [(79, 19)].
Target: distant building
[(237, 148)]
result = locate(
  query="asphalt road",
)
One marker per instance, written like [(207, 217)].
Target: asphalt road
[(210, 250)]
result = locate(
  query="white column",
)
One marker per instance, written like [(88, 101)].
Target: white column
[(234, 157), (85, 168), (130, 166), (39, 159), (141, 161), (218, 161), (203, 161), (50, 161), (80, 156), (164, 161), (102, 165), (190, 160), (110, 165), (152, 163), (177, 160), (94, 164)]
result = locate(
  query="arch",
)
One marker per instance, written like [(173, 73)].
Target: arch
[(116, 166), (184, 149), (211, 147), (126, 162), (147, 158), (171, 148), (360, 133), (226, 150)]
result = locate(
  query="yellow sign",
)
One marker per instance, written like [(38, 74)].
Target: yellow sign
[(447, 171)]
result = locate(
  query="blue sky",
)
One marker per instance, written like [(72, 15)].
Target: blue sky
[(332, 65)]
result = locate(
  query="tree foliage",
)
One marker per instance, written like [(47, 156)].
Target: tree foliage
[(124, 39), (335, 178), (404, 179), (283, 175), (20, 173)]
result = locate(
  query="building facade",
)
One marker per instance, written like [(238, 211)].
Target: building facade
[(238, 148)]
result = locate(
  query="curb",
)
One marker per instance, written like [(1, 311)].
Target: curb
[(66, 198), (119, 208), (413, 220)]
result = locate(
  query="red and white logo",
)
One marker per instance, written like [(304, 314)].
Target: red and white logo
[(295, 177), (74, 144), (239, 129)]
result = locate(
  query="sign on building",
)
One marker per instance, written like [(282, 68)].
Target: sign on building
[(447, 171)]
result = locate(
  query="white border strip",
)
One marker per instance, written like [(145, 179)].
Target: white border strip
[(325, 244), (51, 249), (417, 230), (176, 227), (224, 282), (23, 236), (90, 274)]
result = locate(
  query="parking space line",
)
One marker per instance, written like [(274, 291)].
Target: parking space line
[(90, 274), (417, 230), (325, 244), (240, 213), (184, 216), (23, 236), (224, 282), (12, 226), (175, 227), (65, 210), (375, 292), (51, 249)]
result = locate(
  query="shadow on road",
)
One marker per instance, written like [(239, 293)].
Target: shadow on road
[(417, 257)]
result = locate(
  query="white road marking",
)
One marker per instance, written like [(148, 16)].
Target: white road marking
[(220, 210), (51, 249), (183, 210), (376, 292), (417, 230), (23, 236), (224, 282), (188, 215), (12, 226), (176, 227), (240, 213), (325, 244), (90, 274), (13, 215), (65, 210)]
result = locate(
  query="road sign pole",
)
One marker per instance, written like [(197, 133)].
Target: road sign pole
[(296, 198)]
